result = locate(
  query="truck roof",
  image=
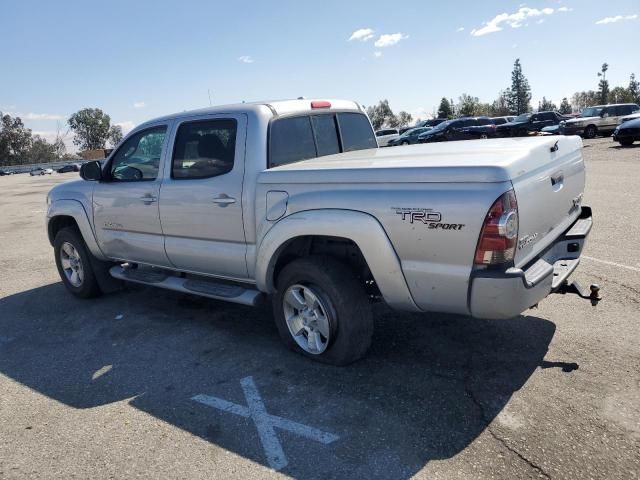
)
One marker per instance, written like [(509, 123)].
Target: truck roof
[(272, 107)]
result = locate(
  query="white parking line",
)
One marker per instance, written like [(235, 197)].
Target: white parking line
[(614, 264), (266, 423)]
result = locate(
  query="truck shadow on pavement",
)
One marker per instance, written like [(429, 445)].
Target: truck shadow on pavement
[(429, 386)]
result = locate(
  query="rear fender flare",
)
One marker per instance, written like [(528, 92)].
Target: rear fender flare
[(363, 229)]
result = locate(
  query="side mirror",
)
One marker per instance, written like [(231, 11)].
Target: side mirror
[(91, 171)]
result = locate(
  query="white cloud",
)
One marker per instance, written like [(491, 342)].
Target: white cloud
[(460, 29), (126, 126), (35, 116), (138, 105), (513, 20), (389, 39), (565, 9), (377, 54), (246, 59), (617, 18), (362, 34)]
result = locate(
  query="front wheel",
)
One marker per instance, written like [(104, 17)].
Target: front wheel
[(322, 311), (74, 264), (626, 142), (590, 132)]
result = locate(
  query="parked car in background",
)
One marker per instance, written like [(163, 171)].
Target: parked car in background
[(526, 123), (5, 172), (502, 120), (626, 118), (628, 132), (72, 167), (384, 136), (597, 120), (551, 130), (41, 171), (466, 128), (433, 122), (409, 137)]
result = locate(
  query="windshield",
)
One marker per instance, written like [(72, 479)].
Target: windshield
[(591, 112), (522, 118)]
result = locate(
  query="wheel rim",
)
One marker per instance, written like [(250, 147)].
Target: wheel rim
[(71, 264), (307, 318), (590, 132), (483, 136)]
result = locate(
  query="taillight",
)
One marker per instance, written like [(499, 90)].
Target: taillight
[(498, 238)]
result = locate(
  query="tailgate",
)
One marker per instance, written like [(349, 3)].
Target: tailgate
[(549, 194)]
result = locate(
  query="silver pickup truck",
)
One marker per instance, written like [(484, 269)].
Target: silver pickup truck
[(293, 201)]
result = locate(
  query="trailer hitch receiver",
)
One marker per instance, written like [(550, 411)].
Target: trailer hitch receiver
[(593, 293)]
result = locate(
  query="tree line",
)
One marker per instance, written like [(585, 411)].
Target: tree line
[(91, 129), (513, 100)]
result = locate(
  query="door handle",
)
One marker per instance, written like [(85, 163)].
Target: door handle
[(223, 200), (148, 199)]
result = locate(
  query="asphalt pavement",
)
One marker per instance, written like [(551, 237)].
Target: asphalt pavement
[(154, 384)]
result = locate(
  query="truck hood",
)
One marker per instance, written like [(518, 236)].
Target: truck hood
[(495, 160)]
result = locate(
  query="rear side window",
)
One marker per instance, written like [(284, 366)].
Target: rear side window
[(625, 109), (356, 132), (300, 138), (498, 121), (291, 141), (483, 121), (204, 149)]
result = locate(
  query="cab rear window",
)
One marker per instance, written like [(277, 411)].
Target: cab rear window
[(308, 136)]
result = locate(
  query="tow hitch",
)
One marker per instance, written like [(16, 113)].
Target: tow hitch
[(574, 287)]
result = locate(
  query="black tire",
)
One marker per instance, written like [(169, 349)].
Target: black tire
[(626, 142), (590, 132), (404, 143), (89, 287), (346, 303)]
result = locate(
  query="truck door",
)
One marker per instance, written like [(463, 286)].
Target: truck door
[(201, 196), (125, 204)]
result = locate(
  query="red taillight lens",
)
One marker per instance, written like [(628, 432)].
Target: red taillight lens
[(499, 235), (320, 104)]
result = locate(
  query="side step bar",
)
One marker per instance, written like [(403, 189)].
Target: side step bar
[(203, 288)]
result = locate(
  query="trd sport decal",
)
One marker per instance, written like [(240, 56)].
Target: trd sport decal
[(432, 220)]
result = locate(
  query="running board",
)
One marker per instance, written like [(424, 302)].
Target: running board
[(203, 288)]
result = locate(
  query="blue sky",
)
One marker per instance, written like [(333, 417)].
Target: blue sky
[(140, 59)]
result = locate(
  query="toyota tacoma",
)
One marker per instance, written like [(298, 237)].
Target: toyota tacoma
[(292, 201)]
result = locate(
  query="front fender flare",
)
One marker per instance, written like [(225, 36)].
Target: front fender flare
[(363, 229), (75, 210)]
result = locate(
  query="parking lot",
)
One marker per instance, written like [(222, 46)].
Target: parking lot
[(155, 384)]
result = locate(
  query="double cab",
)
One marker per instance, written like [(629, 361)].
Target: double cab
[(294, 203)]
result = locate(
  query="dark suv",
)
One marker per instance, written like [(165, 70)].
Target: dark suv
[(529, 122), (466, 128)]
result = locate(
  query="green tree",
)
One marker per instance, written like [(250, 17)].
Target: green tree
[(15, 141), (603, 84), (41, 151), (115, 135), (581, 100), (634, 88), (445, 110), (547, 105), (500, 106), (620, 95), (90, 127), (565, 107), (381, 115), (520, 92), (404, 119), (467, 105)]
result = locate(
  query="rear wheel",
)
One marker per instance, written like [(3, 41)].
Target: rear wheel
[(322, 311), (405, 143), (74, 264), (590, 132)]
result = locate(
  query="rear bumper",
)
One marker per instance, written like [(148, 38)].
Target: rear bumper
[(506, 294)]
